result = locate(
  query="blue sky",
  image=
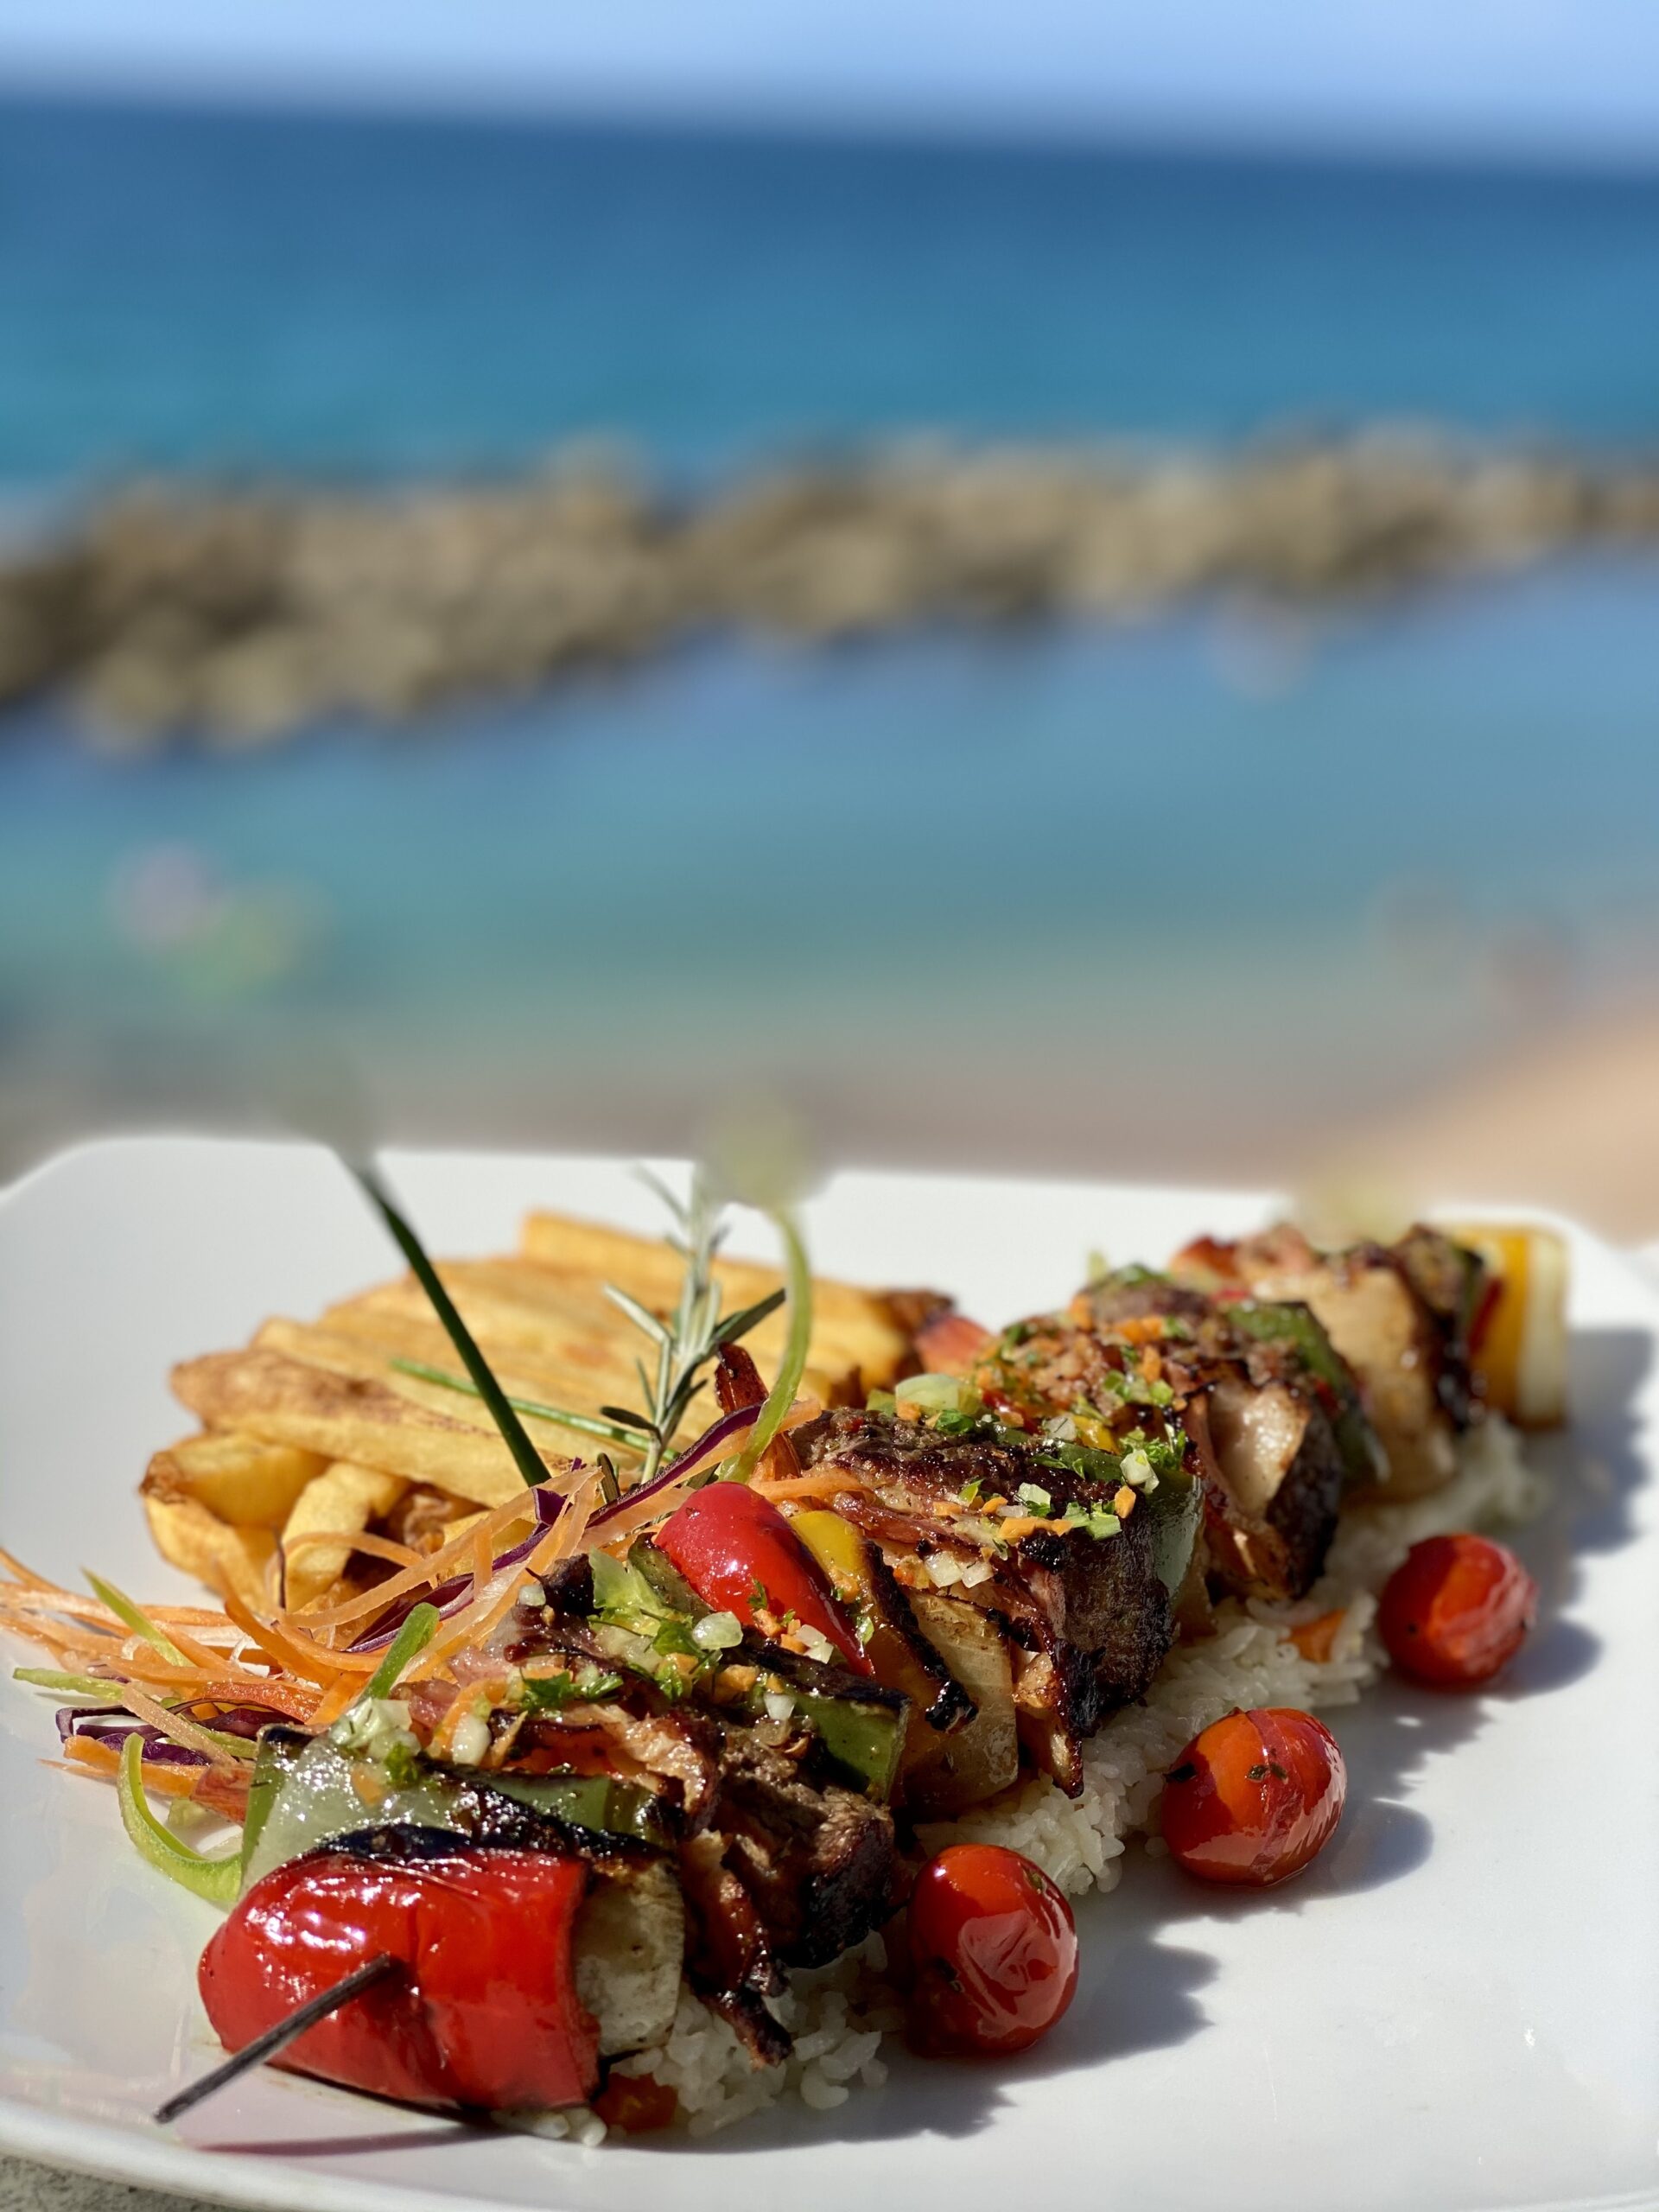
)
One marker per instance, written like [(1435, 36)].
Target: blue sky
[(1574, 77)]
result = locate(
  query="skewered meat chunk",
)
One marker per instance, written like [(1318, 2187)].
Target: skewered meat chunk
[(1083, 1605), (1138, 1354), (1399, 1315)]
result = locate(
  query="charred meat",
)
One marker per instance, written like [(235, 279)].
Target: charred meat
[(1073, 1565)]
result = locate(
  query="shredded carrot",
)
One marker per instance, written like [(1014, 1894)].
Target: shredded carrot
[(472, 1625), (1316, 1639), (827, 1483), (297, 1700), (571, 1527), (297, 1654), (333, 1702), (181, 1730), (483, 1560), (146, 1664), (1123, 1501), (431, 1569), (46, 1598), (359, 1540), (103, 1758)]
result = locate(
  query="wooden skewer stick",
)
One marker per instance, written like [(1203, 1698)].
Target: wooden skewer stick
[(278, 2039)]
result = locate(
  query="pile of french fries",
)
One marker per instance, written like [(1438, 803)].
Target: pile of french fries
[(314, 1440)]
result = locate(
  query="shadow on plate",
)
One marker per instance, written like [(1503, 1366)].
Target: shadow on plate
[(1133, 1995)]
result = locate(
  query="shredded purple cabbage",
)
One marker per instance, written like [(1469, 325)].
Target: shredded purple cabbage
[(727, 1427), (113, 1724), (449, 1597)]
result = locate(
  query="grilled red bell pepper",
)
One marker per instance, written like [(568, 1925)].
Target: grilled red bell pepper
[(486, 2012), (740, 1555)]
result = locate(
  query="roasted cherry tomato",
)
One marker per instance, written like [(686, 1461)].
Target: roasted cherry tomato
[(994, 1951), (1456, 1609), (1254, 1797), (638, 2102), (485, 2012), (740, 1554)]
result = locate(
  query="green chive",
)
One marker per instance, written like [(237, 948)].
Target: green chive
[(527, 1459)]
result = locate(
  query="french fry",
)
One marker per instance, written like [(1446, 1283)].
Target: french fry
[(344, 1499), (240, 1480), (315, 1428), (198, 1543), (344, 1417), (372, 1361), (861, 1334)]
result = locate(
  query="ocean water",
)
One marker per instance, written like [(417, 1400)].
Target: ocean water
[(239, 291), (1091, 892)]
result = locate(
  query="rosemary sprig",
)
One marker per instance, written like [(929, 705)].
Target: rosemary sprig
[(694, 1335)]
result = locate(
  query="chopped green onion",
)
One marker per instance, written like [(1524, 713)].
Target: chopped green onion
[(937, 1393), (136, 1618), (218, 1880), (1034, 1498), (717, 1632)]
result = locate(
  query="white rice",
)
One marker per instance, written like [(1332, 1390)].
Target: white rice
[(838, 2015)]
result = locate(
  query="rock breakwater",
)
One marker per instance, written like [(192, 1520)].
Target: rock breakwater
[(234, 616)]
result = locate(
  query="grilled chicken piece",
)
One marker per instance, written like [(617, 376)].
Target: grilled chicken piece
[(1085, 1618), (1399, 1315)]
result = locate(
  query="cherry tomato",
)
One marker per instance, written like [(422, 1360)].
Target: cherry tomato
[(1254, 1797), (994, 1951), (637, 2103), (740, 1554), (485, 2012), (1456, 1609)]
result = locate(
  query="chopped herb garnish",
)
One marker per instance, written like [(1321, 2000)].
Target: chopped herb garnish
[(1095, 1520)]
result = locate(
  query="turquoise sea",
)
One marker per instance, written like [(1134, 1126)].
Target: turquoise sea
[(1102, 886)]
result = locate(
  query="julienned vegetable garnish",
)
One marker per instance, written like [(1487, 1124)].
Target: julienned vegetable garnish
[(522, 1750)]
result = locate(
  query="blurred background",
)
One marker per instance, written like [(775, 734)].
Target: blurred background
[(1063, 589)]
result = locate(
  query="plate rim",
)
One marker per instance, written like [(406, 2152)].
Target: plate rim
[(105, 2150)]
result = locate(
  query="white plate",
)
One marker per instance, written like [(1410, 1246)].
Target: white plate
[(1458, 2006)]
